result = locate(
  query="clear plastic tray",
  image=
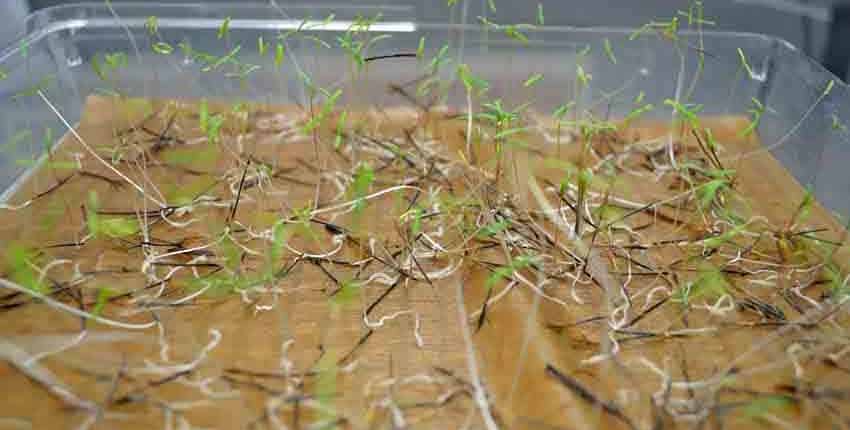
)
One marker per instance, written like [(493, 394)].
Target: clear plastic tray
[(56, 50)]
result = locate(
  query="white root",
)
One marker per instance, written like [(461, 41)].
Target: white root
[(5, 283), (19, 359)]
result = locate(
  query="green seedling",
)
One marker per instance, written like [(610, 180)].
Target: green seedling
[(744, 63), (340, 129), (301, 218), (364, 176), (280, 235), (762, 406), (609, 51), (42, 85), (356, 48), (325, 390), (717, 241), (11, 146), (262, 46), (441, 58), (755, 118), (113, 227), (327, 107), (103, 296), (541, 20), (162, 48), (637, 112), (21, 264), (512, 31), (152, 25), (507, 272), (583, 77), (224, 29), (533, 80), (493, 228), (345, 295), (110, 63), (666, 29), (837, 123), (185, 193), (279, 54), (415, 217), (687, 113), (420, 50), (709, 285), (473, 84)]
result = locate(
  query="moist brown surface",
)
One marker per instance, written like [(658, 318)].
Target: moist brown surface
[(290, 346)]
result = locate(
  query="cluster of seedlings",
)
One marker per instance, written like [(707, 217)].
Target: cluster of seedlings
[(421, 265)]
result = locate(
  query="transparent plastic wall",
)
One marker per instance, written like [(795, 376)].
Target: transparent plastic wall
[(803, 122)]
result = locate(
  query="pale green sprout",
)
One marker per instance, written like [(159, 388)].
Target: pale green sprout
[(326, 386), (711, 284), (688, 113), (439, 59), (204, 115), (20, 263), (340, 129), (230, 57), (224, 29), (745, 63), (637, 112), (583, 77), (494, 228), (433, 67), (416, 220), (837, 124), (209, 124), (111, 63), (715, 242), (609, 51), (162, 48), (327, 107), (16, 139), (762, 406), (561, 111), (828, 88), (695, 14), (356, 49), (111, 227), (262, 46), (42, 85), (420, 50), (541, 20), (279, 54), (667, 29), (512, 31), (345, 295), (103, 296), (708, 192), (755, 117), (506, 272), (152, 25), (533, 80), (364, 176)]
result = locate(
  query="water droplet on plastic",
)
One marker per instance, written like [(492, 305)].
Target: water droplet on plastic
[(74, 60)]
